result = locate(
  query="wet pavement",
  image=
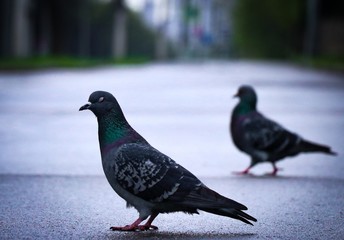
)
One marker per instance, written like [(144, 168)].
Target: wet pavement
[(51, 181)]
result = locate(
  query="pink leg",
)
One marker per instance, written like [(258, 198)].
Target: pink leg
[(148, 225), (244, 172), (274, 171), (136, 227)]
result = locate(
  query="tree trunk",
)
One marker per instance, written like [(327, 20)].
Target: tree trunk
[(21, 29), (119, 44)]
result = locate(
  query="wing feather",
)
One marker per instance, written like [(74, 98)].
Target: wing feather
[(151, 175), (263, 134)]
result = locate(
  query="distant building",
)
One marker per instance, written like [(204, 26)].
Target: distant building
[(194, 27)]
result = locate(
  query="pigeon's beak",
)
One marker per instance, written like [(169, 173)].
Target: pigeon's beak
[(236, 95), (86, 106)]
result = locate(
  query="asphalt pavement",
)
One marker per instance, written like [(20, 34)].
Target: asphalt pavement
[(51, 181)]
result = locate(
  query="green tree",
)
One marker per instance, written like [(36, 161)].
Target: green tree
[(268, 28)]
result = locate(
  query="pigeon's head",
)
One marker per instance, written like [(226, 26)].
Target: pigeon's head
[(247, 94), (100, 103)]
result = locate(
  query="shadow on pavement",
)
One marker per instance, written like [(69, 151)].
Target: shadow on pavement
[(175, 235)]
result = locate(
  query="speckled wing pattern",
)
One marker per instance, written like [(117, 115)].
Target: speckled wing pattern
[(147, 173), (265, 135)]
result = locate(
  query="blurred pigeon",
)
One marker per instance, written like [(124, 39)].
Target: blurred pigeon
[(263, 139), (147, 179)]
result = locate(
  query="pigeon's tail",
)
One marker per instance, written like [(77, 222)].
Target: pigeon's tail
[(307, 146), (232, 213), (210, 201)]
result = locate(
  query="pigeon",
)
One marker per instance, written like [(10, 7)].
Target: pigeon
[(263, 139), (147, 179)]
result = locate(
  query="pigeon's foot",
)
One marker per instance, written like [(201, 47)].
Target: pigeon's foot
[(244, 172), (125, 228), (147, 227), (135, 227), (274, 172), (131, 228)]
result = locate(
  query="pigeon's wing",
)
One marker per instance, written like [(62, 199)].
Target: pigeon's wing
[(149, 174), (264, 135)]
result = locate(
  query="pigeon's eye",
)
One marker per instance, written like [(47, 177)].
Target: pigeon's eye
[(101, 99)]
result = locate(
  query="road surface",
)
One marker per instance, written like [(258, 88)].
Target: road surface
[(51, 181)]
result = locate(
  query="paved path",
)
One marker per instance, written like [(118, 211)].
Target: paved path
[(51, 181)]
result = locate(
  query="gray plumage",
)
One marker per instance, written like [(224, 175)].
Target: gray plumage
[(263, 139), (147, 179)]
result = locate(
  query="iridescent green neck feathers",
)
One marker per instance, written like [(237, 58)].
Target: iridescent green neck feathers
[(112, 128)]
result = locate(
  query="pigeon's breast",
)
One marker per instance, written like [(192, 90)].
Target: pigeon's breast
[(238, 131), (109, 170)]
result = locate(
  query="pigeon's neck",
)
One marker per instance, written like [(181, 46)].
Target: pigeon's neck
[(244, 107), (112, 129)]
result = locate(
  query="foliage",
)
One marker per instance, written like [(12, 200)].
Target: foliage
[(62, 62), (141, 39), (268, 28), (332, 63)]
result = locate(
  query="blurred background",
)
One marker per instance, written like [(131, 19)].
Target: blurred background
[(196, 53), (88, 32)]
